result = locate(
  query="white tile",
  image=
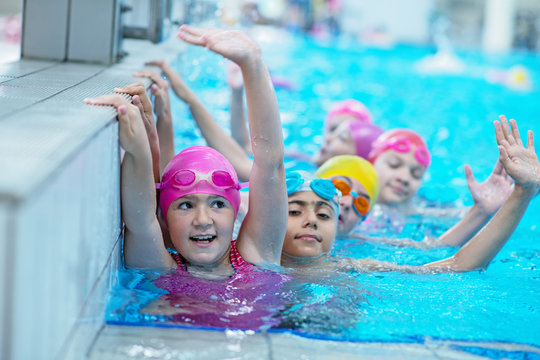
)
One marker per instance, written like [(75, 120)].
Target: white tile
[(119, 342)]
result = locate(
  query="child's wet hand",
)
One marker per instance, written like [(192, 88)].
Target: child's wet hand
[(234, 45), (520, 162), (131, 132), (493, 192), (144, 104)]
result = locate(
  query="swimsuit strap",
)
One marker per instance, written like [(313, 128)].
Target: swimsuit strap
[(237, 260)]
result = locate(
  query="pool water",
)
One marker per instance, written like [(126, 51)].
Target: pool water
[(455, 114)]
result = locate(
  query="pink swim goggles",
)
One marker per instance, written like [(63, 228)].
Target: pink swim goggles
[(402, 145), (187, 178)]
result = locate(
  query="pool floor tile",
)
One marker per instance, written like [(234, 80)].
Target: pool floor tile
[(129, 342), (124, 342)]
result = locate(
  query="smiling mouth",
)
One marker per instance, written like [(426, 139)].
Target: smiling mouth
[(308, 238), (203, 239), (398, 190)]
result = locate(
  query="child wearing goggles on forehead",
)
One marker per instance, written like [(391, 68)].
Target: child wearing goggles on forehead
[(519, 161), (400, 158), (199, 190)]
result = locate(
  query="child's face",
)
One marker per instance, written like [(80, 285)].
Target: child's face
[(400, 176), (201, 227), (335, 121), (311, 228), (337, 142), (348, 218)]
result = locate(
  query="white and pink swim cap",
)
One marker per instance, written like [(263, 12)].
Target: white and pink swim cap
[(198, 170), (402, 141), (350, 107)]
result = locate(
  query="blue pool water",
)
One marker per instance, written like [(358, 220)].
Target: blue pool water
[(455, 114)]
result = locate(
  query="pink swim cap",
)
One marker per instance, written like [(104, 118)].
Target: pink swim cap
[(403, 141), (198, 170), (350, 107), (364, 134)]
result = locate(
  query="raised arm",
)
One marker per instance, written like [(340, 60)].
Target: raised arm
[(263, 230), (141, 100), (488, 196), (162, 110), (239, 131), (521, 163), (143, 242), (214, 135)]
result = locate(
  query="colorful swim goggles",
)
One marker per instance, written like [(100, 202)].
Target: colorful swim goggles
[(322, 187), (402, 145), (186, 178), (360, 204)]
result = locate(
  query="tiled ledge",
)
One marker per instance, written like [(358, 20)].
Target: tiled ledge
[(60, 200), (43, 119)]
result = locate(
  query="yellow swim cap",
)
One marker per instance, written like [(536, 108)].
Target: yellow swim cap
[(355, 167)]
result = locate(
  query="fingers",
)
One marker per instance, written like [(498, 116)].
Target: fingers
[(507, 131), (110, 99), (191, 35), (515, 132), (499, 135), (498, 169), (469, 174), (152, 75), (530, 140), (136, 100), (503, 157), (132, 89)]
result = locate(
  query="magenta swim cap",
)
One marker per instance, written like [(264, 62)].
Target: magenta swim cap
[(350, 107), (364, 134), (198, 170), (403, 141)]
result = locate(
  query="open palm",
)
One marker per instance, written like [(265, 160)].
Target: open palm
[(520, 162)]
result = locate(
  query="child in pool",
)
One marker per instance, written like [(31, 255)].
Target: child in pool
[(311, 232), (400, 158), (199, 190)]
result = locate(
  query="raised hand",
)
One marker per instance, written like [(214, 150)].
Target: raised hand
[(520, 162), (493, 192), (131, 131), (233, 45)]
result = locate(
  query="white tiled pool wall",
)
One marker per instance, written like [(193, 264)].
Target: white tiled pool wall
[(59, 206)]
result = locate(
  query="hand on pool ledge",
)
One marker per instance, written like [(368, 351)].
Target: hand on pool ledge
[(142, 102)]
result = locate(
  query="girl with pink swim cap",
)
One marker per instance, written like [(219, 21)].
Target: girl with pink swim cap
[(199, 189), (400, 158)]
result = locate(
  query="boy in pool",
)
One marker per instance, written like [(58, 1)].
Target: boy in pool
[(311, 232), (199, 190)]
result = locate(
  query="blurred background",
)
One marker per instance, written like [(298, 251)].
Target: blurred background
[(490, 25)]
